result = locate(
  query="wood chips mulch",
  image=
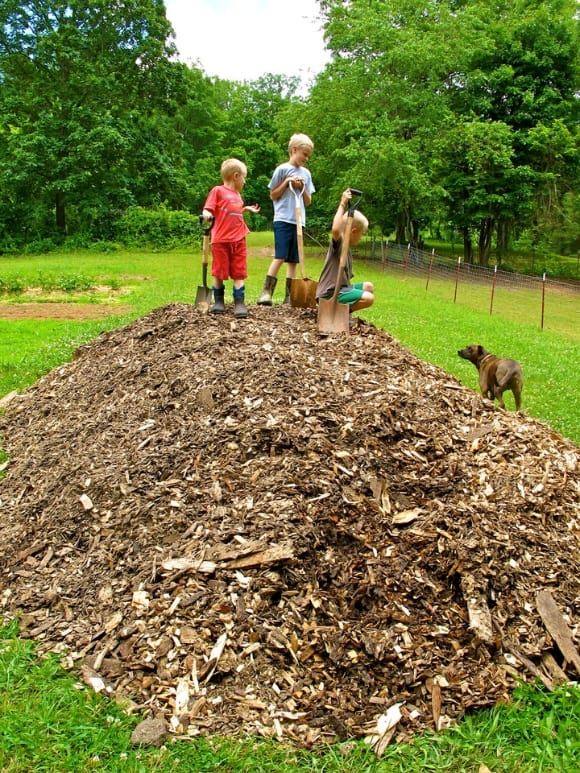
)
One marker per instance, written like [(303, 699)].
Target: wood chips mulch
[(246, 528)]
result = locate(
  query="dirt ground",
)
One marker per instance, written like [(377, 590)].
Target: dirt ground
[(245, 527), (49, 310)]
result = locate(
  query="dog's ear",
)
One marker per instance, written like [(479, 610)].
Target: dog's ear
[(480, 350)]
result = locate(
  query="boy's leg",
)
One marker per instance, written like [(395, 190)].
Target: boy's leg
[(219, 271), (270, 283), (286, 251), (218, 298), (239, 272), (240, 308)]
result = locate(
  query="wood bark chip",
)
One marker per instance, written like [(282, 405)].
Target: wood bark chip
[(245, 528), (557, 627)]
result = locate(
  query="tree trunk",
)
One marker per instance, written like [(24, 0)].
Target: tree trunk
[(60, 213), (484, 243), (467, 246), (400, 232)]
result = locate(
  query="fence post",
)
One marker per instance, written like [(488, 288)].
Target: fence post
[(429, 269), (543, 298), (492, 289), (407, 256), (385, 250), (456, 278)]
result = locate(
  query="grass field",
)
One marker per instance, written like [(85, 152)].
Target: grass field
[(49, 725)]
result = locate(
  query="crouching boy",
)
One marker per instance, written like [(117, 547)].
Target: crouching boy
[(358, 295)]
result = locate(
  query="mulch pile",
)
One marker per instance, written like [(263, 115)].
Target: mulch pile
[(246, 528)]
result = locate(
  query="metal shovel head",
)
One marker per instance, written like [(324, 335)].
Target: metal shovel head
[(303, 293), (333, 317), (203, 298), (204, 295)]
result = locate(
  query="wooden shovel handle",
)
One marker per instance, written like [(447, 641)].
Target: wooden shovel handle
[(205, 250), (299, 233), (343, 254)]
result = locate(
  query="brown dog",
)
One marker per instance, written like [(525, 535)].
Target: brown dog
[(496, 375)]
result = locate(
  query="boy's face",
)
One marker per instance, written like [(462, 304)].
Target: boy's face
[(356, 235), (300, 155), (239, 180)]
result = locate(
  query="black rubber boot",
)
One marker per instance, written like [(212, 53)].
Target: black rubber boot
[(265, 298), (240, 308), (288, 286), (218, 301)]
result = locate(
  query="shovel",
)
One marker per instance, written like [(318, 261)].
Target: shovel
[(203, 295), (333, 317), (302, 291)]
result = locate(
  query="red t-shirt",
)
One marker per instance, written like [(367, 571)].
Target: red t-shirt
[(227, 207)]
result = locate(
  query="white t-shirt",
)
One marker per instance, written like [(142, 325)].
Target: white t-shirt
[(285, 206)]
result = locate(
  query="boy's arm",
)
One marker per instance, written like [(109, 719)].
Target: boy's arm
[(338, 221)]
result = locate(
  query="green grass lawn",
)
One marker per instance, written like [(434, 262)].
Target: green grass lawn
[(49, 723)]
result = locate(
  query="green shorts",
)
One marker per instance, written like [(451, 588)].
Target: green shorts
[(351, 294)]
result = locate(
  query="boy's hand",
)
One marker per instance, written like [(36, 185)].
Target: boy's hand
[(297, 182), (255, 208), (346, 197)]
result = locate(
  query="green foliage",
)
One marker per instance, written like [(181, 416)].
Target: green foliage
[(459, 116), (158, 228)]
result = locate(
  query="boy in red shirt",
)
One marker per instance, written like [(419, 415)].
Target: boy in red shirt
[(225, 207)]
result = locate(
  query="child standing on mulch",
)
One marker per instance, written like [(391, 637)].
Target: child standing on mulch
[(224, 205), (287, 176)]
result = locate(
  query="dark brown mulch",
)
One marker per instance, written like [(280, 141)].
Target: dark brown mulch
[(245, 527)]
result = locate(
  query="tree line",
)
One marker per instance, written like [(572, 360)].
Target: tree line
[(455, 117)]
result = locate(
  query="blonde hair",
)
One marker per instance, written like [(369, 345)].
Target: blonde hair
[(232, 165), (359, 221), (300, 141)]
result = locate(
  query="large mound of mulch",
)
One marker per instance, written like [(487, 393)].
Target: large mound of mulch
[(244, 527)]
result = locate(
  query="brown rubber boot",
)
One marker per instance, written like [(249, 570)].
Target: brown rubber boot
[(265, 298), (288, 286)]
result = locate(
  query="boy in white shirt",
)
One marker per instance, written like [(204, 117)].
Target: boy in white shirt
[(291, 173)]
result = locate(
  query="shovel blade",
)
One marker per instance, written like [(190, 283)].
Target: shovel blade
[(333, 317), (203, 298), (303, 293)]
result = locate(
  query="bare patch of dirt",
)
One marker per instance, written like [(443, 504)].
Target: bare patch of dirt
[(71, 311), (246, 528)]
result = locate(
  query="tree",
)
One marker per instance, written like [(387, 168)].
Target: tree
[(411, 81), (82, 86)]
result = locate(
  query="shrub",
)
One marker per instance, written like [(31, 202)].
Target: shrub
[(159, 228)]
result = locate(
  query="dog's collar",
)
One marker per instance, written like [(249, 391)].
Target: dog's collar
[(486, 356)]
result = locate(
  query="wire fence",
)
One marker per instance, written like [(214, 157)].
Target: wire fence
[(556, 300)]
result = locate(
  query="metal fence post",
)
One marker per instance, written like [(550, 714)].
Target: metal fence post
[(429, 269), (492, 289), (543, 298), (456, 278)]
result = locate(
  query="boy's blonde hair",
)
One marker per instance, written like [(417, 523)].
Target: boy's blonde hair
[(232, 165), (300, 141), (359, 221)]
